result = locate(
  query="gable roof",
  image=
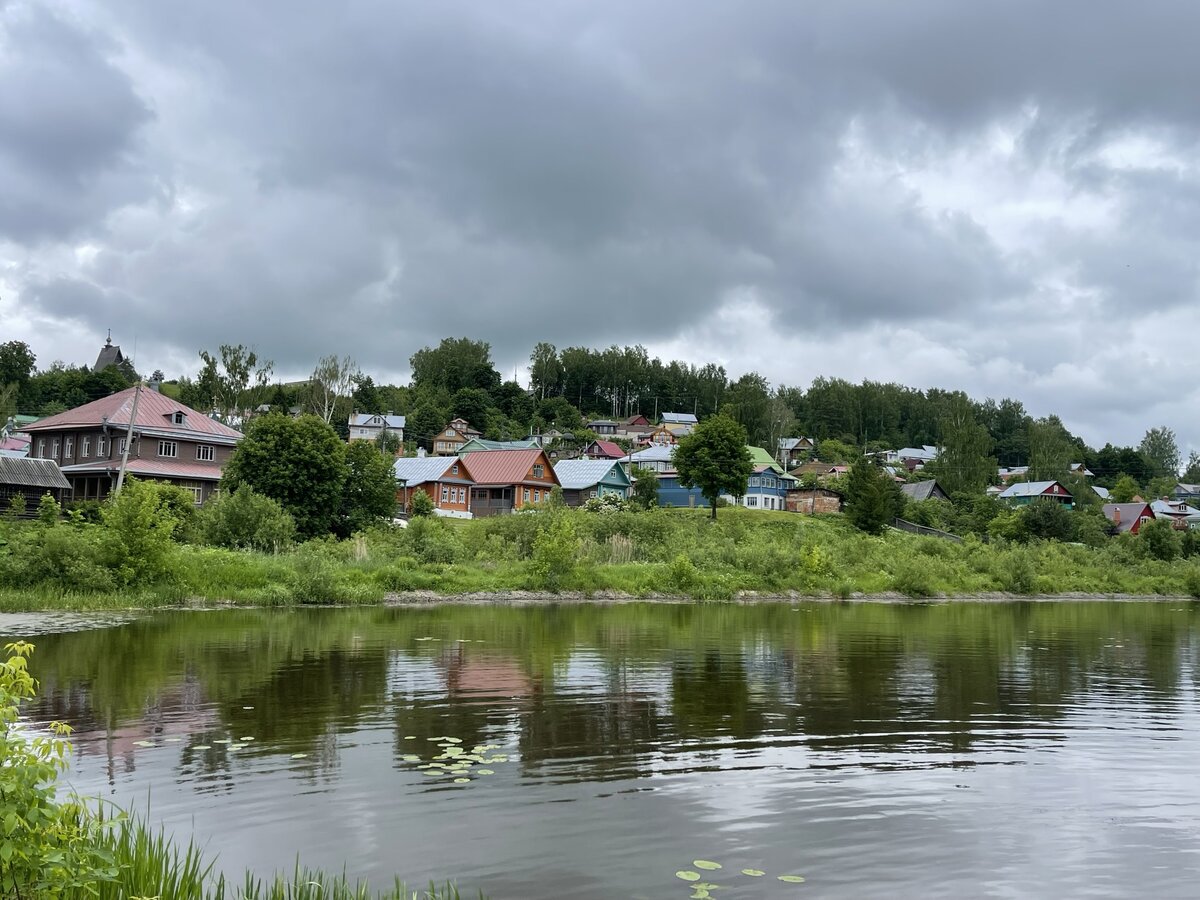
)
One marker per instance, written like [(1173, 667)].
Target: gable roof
[(1126, 515), (1176, 509), (1031, 489), (1102, 492), (415, 470), (474, 445), (363, 419), (1185, 488), (578, 474), (110, 355), (670, 418), (155, 413), (924, 452), (653, 453), (608, 448), (32, 473), (760, 456), (921, 490), (793, 443), (505, 466)]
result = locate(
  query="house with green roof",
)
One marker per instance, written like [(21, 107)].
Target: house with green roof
[(474, 445)]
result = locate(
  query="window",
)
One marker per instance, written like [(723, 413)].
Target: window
[(197, 494), (537, 496), (41, 451), (102, 446), (177, 418), (121, 446), (168, 448), (525, 496), (539, 471), (205, 452), (591, 494), (454, 469), (68, 447), (54, 449), (755, 481), (449, 432), (445, 493), (85, 447), (752, 501)]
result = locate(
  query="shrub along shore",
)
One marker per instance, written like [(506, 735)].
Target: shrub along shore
[(150, 549)]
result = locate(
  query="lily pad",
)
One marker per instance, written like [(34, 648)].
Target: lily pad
[(792, 879), (462, 780), (432, 774), (143, 743), (754, 873), (452, 740), (299, 756), (700, 894), (411, 757), (706, 864), (687, 875), (202, 747), (246, 740), (247, 707), (172, 740), (410, 737), (484, 772)]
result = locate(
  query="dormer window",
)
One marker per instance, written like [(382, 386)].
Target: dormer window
[(177, 417)]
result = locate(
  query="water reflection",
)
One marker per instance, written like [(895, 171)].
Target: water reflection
[(657, 727)]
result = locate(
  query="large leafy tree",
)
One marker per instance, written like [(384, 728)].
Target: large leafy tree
[(964, 464), (16, 362), (369, 492), (873, 499), (1051, 450), (299, 462), (454, 364), (1161, 452), (714, 458)]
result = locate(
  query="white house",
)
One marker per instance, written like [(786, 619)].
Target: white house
[(368, 426)]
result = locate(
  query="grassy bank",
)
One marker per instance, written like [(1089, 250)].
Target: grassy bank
[(642, 553)]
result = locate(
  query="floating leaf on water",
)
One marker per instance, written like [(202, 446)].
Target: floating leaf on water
[(143, 743), (462, 780), (299, 756), (792, 879), (246, 740), (452, 740), (706, 864), (700, 894), (687, 875), (172, 740), (237, 746), (432, 774), (484, 772), (202, 747), (222, 741), (410, 737), (247, 707), (754, 873), (409, 757)]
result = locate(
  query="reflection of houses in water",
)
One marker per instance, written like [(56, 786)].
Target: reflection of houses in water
[(485, 674), (177, 710)]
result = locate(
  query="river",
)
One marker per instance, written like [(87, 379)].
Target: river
[(876, 750)]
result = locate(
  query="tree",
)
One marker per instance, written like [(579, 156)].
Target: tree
[(331, 380), (1160, 540), (420, 504), (366, 395), (1051, 450), (964, 464), (245, 519), (229, 378), (369, 492), (299, 462), (714, 457), (1048, 520), (873, 499), (1161, 452), (1124, 490), (645, 487), (16, 363), (1191, 474), (474, 405), (454, 364), (424, 423), (749, 402), (545, 371)]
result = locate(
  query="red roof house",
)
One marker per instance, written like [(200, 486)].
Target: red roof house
[(604, 450), (508, 480)]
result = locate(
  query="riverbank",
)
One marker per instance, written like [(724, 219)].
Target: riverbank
[(573, 555)]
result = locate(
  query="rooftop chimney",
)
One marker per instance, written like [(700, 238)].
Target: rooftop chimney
[(420, 453)]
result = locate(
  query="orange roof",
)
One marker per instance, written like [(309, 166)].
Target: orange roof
[(505, 466), (155, 411)]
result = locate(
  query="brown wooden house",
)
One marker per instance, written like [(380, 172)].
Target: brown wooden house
[(170, 442), (30, 479), (449, 441), (444, 478), (508, 480)]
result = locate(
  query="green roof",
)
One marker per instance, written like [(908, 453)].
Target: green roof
[(476, 444), (761, 457)]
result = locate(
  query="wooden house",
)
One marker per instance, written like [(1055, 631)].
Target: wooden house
[(583, 479), (445, 479), (509, 480)]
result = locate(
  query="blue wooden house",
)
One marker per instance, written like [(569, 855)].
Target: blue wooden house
[(583, 479)]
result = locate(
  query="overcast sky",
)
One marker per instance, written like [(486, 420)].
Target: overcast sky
[(1003, 198)]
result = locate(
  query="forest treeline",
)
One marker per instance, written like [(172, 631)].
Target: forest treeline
[(571, 386)]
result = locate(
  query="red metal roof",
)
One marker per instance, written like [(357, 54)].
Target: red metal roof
[(151, 468), (155, 411), (505, 466), (609, 449)]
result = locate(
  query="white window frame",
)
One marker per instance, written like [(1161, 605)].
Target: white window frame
[(171, 446), (85, 447), (525, 495), (539, 471), (198, 493), (102, 446), (54, 448), (537, 496), (41, 448), (206, 452), (68, 447), (445, 494)]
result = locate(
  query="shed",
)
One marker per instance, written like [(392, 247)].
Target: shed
[(31, 479)]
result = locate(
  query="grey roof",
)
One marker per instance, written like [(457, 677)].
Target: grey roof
[(1124, 515), (921, 490), (475, 445), (364, 419), (1028, 489), (678, 419), (577, 474), (1175, 509), (923, 452), (110, 355), (419, 469), (1185, 488), (1101, 492), (791, 443), (32, 473), (653, 453)]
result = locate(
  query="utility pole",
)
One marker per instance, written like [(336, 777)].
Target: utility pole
[(137, 391)]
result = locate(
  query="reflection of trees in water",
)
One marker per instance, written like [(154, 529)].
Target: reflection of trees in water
[(936, 677)]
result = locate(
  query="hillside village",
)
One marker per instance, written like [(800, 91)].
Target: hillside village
[(147, 431)]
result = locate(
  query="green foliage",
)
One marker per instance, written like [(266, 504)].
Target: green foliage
[(1161, 452), (48, 512), (420, 504), (1047, 520), (456, 363), (16, 506), (48, 847), (645, 487), (369, 491), (965, 464), (1159, 540), (243, 519), (609, 503), (299, 462), (139, 530), (1124, 490), (873, 499), (554, 552), (714, 457), (835, 451), (1051, 450)]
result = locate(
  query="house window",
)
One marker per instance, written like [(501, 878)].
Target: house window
[(525, 496), (68, 447), (102, 446), (85, 447), (454, 470), (755, 481), (168, 448), (591, 494), (41, 451), (539, 471), (54, 449), (449, 432), (197, 495), (205, 452), (445, 493), (537, 496), (752, 501), (178, 418)]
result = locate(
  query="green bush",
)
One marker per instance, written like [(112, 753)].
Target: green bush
[(139, 529), (243, 519), (1159, 540), (912, 578), (420, 504), (1047, 520), (554, 552)]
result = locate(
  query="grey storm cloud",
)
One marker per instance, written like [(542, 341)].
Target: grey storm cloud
[(368, 177)]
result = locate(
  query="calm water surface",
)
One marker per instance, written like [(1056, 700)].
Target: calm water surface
[(999, 750)]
